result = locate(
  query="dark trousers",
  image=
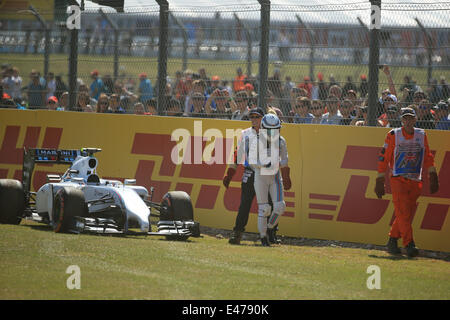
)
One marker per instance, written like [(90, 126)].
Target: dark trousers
[(247, 196)]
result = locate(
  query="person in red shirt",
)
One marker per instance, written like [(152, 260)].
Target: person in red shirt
[(407, 154)]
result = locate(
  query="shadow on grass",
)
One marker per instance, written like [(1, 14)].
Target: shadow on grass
[(131, 235), (393, 258)]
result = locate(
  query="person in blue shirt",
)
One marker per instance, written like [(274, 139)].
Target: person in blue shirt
[(441, 115), (302, 108), (97, 87), (333, 116), (145, 88)]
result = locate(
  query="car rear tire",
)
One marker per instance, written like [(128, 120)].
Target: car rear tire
[(176, 206), (12, 201), (68, 203)]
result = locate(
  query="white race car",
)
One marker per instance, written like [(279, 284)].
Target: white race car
[(79, 201)]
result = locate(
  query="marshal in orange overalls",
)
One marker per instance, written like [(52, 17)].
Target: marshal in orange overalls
[(407, 156)]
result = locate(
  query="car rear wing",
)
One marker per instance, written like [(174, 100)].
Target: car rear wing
[(49, 156)]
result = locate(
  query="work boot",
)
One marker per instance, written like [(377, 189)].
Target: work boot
[(235, 237), (265, 241), (272, 234), (392, 246), (411, 250)]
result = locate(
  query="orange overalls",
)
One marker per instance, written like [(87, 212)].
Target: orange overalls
[(405, 191)]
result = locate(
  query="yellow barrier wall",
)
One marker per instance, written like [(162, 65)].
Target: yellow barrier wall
[(333, 170)]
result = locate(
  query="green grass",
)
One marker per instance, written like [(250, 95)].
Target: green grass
[(226, 69), (34, 260)]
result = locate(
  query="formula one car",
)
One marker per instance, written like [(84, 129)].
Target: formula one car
[(79, 201)]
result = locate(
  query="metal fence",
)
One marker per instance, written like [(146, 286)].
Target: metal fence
[(159, 59)]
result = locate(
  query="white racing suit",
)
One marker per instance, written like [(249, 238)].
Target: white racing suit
[(268, 178)]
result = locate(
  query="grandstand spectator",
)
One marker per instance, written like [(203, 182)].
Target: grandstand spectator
[(317, 111), (441, 116), (346, 109), (418, 96), (323, 87), (435, 92), (333, 81), (198, 86), (314, 90), (35, 92), (285, 103), (83, 88), (351, 95), (152, 106), (97, 86), (145, 88), (180, 88), (102, 103), (108, 84), (13, 84), (64, 101), (83, 103), (224, 104), (307, 85), (302, 111), (52, 104), (349, 85), (51, 85), (5, 99), (174, 108), (336, 91), (410, 85), (388, 100), (425, 118), (363, 86), (215, 84), (139, 109), (198, 103), (387, 72), (125, 105), (361, 112), (444, 88), (275, 85), (204, 77), (241, 113), (61, 87), (238, 82), (393, 117), (333, 116), (114, 103), (226, 85)]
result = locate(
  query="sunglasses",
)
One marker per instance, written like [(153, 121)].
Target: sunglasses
[(423, 107), (255, 117)]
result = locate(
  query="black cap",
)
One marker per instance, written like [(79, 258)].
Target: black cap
[(258, 111)]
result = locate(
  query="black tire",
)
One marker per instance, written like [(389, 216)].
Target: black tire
[(12, 201), (176, 206), (68, 203)]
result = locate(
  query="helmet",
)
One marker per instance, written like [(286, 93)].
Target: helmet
[(270, 121)]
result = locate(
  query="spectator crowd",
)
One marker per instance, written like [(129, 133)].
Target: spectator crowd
[(195, 94)]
